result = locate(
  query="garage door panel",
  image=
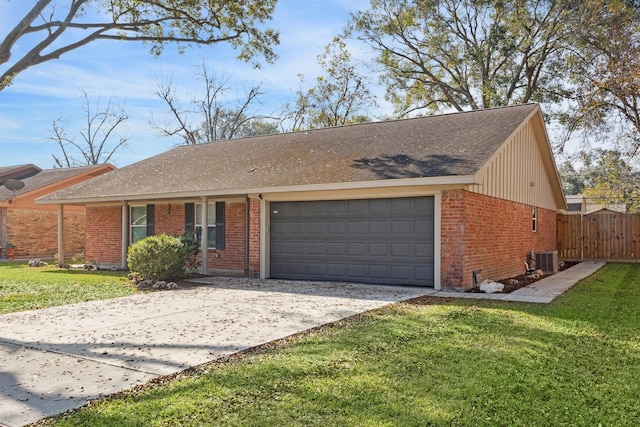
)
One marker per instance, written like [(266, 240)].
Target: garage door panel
[(355, 271), (357, 249), (356, 227), (336, 270), (334, 248), (335, 227), (378, 249), (378, 227), (423, 273), (424, 250), (370, 241), (401, 226), (423, 226), (378, 271), (401, 272)]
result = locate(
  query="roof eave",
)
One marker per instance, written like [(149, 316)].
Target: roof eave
[(234, 192)]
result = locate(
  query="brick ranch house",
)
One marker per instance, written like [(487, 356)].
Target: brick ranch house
[(33, 228), (421, 201)]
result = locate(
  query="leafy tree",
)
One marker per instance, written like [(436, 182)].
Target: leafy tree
[(468, 54), (605, 177), (339, 97), (211, 116), (605, 67), (51, 29), (573, 182), (97, 142)]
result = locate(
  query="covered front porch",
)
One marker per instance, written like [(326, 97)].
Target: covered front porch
[(229, 229)]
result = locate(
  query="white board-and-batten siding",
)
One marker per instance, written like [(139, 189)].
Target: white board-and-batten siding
[(517, 172)]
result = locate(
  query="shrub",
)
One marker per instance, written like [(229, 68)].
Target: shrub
[(162, 257)]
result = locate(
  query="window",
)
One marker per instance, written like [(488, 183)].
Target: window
[(141, 222), (214, 223), (534, 215)]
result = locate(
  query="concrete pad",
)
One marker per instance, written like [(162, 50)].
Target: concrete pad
[(59, 358)]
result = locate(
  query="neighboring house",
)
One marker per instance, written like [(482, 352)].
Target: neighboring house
[(578, 204), (422, 201), (33, 229)]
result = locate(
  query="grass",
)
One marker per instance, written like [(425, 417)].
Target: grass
[(428, 362), (29, 288)]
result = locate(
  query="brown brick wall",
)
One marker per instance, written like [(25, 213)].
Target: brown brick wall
[(170, 219), (35, 232), (103, 235), (103, 238), (489, 234), (232, 257), (254, 239)]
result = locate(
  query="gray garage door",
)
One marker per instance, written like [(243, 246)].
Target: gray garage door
[(387, 241)]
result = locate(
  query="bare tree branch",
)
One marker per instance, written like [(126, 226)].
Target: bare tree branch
[(96, 144)]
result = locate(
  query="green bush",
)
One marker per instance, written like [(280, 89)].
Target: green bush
[(163, 257)]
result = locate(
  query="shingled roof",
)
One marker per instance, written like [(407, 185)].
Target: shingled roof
[(47, 177), (17, 172), (446, 145)]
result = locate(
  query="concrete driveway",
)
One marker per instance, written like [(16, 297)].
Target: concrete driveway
[(59, 358)]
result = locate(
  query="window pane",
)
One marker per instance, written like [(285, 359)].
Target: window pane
[(211, 229), (198, 215), (138, 215), (138, 233), (211, 237), (212, 214)]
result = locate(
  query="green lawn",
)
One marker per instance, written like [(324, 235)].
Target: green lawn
[(29, 288), (574, 362)]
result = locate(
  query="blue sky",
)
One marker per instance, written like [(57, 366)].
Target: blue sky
[(126, 73)]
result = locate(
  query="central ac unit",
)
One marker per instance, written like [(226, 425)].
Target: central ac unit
[(547, 261)]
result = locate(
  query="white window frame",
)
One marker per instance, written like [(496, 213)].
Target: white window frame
[(534, 215), (132, 225), (197, 223)]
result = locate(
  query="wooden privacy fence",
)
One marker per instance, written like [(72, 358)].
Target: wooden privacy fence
[(604, 236)]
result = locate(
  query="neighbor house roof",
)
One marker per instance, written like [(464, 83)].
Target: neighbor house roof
[(433, 149), (17, 172), (53, 177)]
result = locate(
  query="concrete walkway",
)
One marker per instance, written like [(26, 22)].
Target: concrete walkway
[(544, 290), (59, 358)]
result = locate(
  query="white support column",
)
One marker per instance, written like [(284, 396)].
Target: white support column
[(60, 235), (204, 246), (124, 234)]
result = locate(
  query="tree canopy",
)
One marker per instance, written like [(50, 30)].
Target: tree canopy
[(341, 96), (605, 177), (53, 28), (466, 54), (605, 75)]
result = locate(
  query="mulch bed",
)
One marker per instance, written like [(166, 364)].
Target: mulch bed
[(526, 280)]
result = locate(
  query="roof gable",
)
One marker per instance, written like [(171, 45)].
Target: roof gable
[(447, 145), (53, 179)]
